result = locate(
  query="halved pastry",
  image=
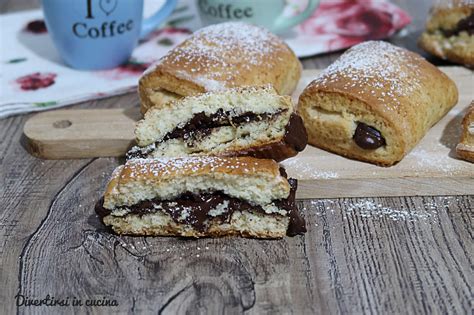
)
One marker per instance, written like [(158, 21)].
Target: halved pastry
[(465, 147), (201, 196), (218, 57), (449, 32), (375, 103), (250, 121)]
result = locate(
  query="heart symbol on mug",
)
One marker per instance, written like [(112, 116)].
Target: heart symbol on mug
[(108, 6)]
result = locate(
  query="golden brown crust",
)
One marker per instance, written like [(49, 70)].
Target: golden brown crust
[(465, 148), (163, 169), (390, 88), (277, 151), (223, 56)]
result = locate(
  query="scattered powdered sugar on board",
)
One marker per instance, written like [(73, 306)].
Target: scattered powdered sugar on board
[(299, 167), (376, 68), (371, 209), (426, 161)]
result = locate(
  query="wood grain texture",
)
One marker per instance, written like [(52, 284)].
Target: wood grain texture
[(81, 133), (401, 256), (27, 189), (378, 255)]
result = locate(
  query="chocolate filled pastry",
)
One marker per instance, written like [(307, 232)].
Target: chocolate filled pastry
[(465, 148), (449, 32), (375, 103), (218, 57), (201, 197), (250, 121)]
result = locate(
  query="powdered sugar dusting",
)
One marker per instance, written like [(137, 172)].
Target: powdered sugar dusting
[(426, 160), (370, 208), (375, 68), (208, 84), (299, 167), (163, 167), (222, 52)]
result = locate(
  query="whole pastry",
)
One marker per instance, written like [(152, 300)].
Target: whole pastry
[(449, 32), (375, 103), (217, 57)]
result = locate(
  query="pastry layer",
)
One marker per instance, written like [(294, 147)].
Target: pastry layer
[(158, 98), (375, 103), (243, 223), (221, 56)]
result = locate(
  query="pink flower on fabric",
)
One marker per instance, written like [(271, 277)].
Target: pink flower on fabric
[(35, 81), (130, 69), (133, 67), (36, 27), (345, 23), (172, 31)]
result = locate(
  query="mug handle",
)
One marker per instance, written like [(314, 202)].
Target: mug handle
[(283, 23), (156, 19)]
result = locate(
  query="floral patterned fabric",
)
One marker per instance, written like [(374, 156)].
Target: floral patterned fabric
[(339, 24), (33, 77)]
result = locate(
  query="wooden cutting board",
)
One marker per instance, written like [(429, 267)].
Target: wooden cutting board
[(430, 169)]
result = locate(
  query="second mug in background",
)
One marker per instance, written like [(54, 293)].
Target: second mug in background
[(267, 13)]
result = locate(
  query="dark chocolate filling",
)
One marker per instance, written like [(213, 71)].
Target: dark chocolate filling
[(368, 137), (201, 125), (464, 25), (198, 207)]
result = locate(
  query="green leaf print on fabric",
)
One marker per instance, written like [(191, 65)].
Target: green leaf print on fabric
[(45, 104), (16, 60)]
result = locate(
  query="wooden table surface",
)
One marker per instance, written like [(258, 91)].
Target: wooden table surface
[(360, 255)]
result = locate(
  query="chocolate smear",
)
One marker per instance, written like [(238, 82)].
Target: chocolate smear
[(295, 133), (297, 223)]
